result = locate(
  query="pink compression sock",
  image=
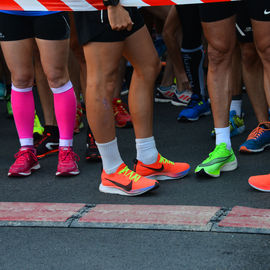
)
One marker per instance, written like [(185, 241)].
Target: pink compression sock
[(23, 108), (65, 112)]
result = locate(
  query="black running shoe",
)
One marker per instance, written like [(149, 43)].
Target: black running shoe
[(49, 143), (92, 153)]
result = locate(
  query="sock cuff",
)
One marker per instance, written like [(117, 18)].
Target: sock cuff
[(192, 50), (145, 140), (21, 90), (26, 141), (108, 143), (65, 143), (63, 88)]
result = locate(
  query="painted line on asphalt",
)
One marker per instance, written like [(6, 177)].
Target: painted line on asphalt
[(120, 216)]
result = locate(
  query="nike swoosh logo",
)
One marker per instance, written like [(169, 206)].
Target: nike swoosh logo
[(155, 169), (215, 161), (266, 12), (125, 187), (50, 146)]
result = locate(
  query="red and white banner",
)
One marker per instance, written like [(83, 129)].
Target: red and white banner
[(88, 5)]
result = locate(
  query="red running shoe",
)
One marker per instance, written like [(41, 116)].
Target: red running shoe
[(26, 162), (67, 162), (126, 182), (121, 115), (162, 169), (79, 119)]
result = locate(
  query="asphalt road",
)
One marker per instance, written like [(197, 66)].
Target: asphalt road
[(50, 248)]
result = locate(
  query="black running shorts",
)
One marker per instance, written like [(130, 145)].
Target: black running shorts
[(217, 11), (49, 27), (243, 24), (191, 25), (257, 9), (93, 26)]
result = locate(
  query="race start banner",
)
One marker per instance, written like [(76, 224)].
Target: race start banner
[(88, 5)]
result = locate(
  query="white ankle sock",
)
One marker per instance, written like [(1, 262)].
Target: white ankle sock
[(110, 156), (146, 150), (223, 136), (236, 106)]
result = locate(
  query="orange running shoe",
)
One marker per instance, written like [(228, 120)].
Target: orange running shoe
[(126, 182), (121, 115), (162, 169), (260, 182)]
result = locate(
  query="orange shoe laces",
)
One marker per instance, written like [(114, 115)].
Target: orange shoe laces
[(257, 132)]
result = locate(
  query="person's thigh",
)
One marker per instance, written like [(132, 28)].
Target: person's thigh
[(140, 51), (19, 59), (52, 36)]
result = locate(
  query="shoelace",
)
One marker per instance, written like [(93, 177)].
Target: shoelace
[(130, 174), (67, 155), (22, 154), (165, 160), (255, 133)]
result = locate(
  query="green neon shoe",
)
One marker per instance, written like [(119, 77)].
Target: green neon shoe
[(220, 160), (38, 128)]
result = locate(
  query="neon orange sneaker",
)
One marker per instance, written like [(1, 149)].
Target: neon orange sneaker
[(126, 182), (260, 182), (162, 169)]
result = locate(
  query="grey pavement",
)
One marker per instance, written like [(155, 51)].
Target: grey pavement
[(49, 248)]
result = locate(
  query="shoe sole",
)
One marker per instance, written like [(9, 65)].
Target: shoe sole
[(178, 103), (264, 190), (185, 119), (165, 177), (231, 166), (162, 100), (246, 150), (34, 168), (47, 153), (67, 173), (114, 190)]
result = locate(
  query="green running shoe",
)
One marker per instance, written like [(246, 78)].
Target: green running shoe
[(8, 107), (38, 128), (220, 160)]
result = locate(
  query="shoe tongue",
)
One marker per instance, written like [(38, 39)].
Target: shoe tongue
[(264, 126)]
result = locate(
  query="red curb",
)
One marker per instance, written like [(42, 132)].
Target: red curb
[(55, 212), (246, 217), (150, 214)]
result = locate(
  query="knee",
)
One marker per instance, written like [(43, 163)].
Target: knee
[(23, 79), (57, 77), (102, 85), (249, 57), (264, 51), (219, 54), (149, 71)]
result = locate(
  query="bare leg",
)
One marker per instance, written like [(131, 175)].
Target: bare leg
[(221, 42), (146, 68), (102, 70), (45, 94), (253, 79)]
